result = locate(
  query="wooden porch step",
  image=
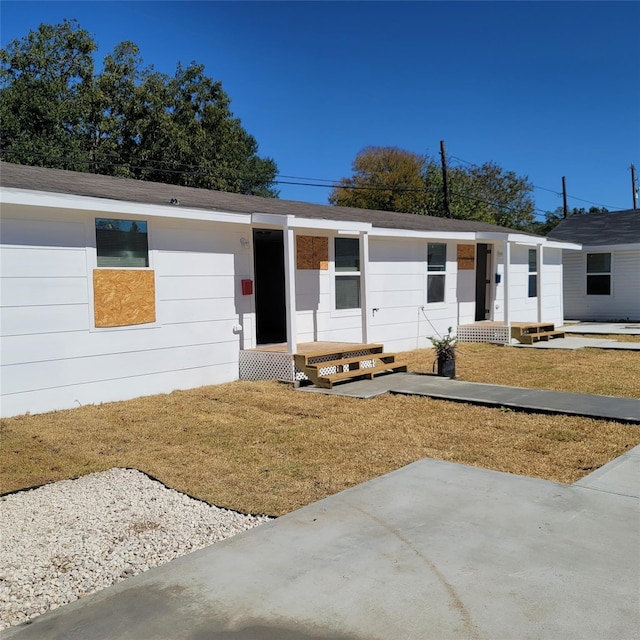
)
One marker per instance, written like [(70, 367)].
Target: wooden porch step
[(386, 358), (326, 382), (302, 359), (544, 336)]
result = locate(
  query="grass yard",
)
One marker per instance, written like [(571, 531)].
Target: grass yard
[(266, 448)]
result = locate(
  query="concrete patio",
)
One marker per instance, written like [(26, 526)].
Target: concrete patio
[(433, 550)]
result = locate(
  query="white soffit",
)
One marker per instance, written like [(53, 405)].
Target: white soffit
[(380, 232), (295, 222), (115, 207)]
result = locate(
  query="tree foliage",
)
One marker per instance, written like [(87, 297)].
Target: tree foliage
[(128, 120), (392, 179), (386, 179)]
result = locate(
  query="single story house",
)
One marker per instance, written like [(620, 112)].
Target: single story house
[(602, 280), (115, 288)]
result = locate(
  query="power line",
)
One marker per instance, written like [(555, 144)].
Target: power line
[(217, 172), (558, 193)]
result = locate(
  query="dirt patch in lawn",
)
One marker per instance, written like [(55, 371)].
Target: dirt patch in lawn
[(266, 448)]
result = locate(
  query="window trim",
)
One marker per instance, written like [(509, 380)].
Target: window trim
[(532, 274), (588, 273), (116, 266), (92, 264), (344, 274), (433, 272)]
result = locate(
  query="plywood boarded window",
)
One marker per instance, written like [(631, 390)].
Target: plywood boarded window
[(466, 256), (123, 297), (312, 253)]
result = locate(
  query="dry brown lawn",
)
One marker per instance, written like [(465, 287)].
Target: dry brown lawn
[(266, 448)]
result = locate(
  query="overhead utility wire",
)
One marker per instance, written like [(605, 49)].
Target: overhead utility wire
[(218, 172), (212, 172), (558, 193)]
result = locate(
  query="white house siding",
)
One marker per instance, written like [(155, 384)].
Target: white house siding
[(522, 308), (552, 309), (52, 356), (624, 301), (402, 319)]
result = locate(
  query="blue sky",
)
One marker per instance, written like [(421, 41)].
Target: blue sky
[(545, 89)]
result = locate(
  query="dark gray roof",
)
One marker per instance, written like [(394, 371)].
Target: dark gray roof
[(615, 227), (89, 184)]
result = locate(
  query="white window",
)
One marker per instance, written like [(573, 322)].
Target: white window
[(122, 243), (533, 273), (347, 273), (598, 274), (436, 268)]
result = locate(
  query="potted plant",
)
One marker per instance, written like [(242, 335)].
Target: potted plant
[(445, 347)]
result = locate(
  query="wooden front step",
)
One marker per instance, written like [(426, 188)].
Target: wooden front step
[(528, 333), (349, 363), (326, 382)]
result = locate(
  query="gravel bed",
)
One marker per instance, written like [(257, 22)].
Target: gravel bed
[(64, 540)]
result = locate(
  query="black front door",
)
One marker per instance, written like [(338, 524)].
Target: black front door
[(268, 255), (483, 260)]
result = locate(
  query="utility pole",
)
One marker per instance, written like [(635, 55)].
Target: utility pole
[(634, 186), (564, 198), (445, 184)]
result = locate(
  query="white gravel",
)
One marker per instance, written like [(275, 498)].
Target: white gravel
[(64, 540)]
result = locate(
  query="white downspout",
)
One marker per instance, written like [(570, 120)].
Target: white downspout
[(364, 284), (290, 287)]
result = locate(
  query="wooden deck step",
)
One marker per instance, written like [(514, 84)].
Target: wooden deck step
[(326, 382), (349, 361), (384, 357), (543, 336), (303, 359)]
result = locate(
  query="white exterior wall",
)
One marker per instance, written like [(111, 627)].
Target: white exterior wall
[(317, 318), (397, 289), (522, 308), (52, 356), (624, 301), (552, 300)]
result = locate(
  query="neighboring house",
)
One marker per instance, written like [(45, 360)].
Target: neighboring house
[(115, 288), (602, 281)]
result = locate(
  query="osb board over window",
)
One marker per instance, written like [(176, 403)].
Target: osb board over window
[(466, 256), (123, 297), (312, 253)]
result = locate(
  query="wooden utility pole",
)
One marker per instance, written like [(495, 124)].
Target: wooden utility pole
[(634, 186), (445, 184), (564, 198)]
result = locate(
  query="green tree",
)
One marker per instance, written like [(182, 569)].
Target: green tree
[(45, 93), (487, 193), (128, 120), (391, 179)]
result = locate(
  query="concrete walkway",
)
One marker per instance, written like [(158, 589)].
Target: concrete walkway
[(433, 550), (578, 404), (623, 328), (578, 342)]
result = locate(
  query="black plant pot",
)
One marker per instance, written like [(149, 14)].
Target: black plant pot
[(447, 367)]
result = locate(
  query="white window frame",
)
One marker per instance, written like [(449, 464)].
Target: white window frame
[(598, 273), (92, 265), (117, 266), (533, 273), (429, 272), (352, 311)]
